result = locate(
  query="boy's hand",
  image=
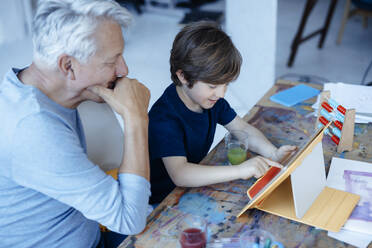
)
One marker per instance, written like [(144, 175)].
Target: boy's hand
[(283, 152), (256, 167), (129, 98)]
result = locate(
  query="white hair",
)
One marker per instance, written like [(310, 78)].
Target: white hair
[(67, 26)]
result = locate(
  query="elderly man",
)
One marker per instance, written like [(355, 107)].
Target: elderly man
[(51, 195)]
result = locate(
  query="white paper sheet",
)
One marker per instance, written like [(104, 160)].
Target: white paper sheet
[(353, 238), (354, 177), (358, 97)]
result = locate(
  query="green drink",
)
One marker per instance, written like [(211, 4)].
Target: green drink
[(236, 155)]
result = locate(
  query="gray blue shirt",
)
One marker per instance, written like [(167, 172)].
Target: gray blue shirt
[(51, 195)]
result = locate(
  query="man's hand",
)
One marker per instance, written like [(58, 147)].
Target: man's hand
[(256, 167), (129, 98)]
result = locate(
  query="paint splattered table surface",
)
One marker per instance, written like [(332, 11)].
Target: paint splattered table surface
[(220, 203)]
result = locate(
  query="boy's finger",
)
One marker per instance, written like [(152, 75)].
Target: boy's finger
[(272, 163), (265, 166), (276, 165), (291, 148), (261, 166)]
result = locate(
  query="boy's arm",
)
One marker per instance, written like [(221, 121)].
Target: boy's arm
[(257, 142), (185, 174)]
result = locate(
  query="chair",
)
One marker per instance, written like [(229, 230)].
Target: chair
[(299, 38), (104, 136), (362, 7)]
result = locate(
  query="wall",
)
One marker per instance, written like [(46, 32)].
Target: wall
[(15, 34), (252, 27)]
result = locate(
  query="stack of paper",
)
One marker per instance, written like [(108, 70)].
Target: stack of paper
[(358, 97), (354, 177)]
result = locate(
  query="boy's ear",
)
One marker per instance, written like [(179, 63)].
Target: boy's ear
[(65, 66), (181, 77)]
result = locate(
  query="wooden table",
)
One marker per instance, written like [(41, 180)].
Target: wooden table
[(220, 203)]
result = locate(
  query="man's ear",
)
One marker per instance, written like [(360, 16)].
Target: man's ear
[(65, 66), (181, 77)]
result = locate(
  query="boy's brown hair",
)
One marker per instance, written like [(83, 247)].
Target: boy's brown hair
[(203, 52)]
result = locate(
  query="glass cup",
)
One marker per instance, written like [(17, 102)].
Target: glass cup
[(192, 232), (236, 143), (257, 238)]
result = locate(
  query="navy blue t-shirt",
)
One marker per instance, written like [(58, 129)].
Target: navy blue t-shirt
[(174, 130)]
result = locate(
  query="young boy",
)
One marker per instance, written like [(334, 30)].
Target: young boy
[(183, 120)]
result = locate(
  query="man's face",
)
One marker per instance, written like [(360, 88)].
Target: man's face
[(106, 65), (203, 95)]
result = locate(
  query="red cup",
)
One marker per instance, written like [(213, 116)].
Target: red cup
[(192, 231)]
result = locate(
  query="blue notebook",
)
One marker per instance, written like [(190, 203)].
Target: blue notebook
[(294, 95)]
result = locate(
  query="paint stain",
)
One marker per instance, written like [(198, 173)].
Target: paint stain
[(238, 189), (308, 108), (202, 205), (358, 130)]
